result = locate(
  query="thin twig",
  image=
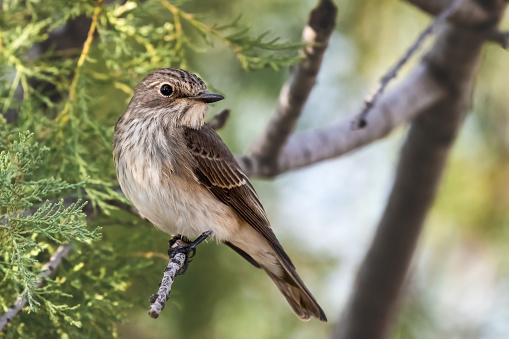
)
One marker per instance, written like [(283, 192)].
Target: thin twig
[(372, 98), (46, 271), (177, 260)]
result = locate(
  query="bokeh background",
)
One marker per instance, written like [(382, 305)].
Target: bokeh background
[(325, 215)]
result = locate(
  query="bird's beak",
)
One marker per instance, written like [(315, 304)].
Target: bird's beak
[(207, 97)]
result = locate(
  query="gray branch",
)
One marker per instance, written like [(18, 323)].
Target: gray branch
[(295, 91), (372, 307), (158, 301), (219, 120), (470, 13), (499, 37), (415, 94), (370, 101), (47, 270)]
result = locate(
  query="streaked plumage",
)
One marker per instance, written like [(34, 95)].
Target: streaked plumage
[(181, 176)]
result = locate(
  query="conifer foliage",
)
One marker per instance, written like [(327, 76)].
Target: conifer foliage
[(67, 69)]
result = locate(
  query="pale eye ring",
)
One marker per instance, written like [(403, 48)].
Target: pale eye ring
[(166, 90)]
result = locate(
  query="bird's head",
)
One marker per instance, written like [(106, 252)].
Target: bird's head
[(174, 93)]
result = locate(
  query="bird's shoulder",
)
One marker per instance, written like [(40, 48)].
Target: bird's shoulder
[(218, 170), (214, 159), (206, 143)]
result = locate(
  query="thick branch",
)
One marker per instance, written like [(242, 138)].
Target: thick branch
[(295, 91), (372, 307), (47, 270)]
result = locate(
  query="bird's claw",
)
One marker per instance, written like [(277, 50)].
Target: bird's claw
[(189, 250)]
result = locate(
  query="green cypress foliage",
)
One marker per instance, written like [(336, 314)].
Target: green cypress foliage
[(55, 153)]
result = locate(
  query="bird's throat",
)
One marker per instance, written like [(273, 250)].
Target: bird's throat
[(194, 116)]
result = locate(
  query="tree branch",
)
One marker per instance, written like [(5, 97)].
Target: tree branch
[(47, 270), (370, 101), (219, 120), (415, 94), (470, 13), (499, 37), (295, 91), (177, 260), (372, 306)]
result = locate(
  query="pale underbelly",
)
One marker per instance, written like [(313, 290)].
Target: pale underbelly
[(180, 207), (177, 205)]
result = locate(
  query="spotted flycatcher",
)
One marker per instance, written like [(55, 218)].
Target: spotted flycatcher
[(180, 175)]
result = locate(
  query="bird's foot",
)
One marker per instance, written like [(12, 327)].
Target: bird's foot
[(191, 248)]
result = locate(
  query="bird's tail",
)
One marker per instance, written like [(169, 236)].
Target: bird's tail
[(267, 253), (296, 293)]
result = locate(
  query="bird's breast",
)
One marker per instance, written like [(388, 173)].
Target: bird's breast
[(164, 190)]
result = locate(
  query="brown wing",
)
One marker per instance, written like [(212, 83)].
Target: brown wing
[(218, 170)]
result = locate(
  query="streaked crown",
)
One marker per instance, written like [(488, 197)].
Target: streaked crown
[(172, 92), (184, 83)]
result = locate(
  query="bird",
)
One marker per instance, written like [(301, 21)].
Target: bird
[(179, 174)]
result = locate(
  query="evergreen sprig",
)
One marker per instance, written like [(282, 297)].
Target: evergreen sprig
[(69, 98), (27, 228)]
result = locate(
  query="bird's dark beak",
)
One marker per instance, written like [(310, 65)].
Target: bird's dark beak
[(208, 97)]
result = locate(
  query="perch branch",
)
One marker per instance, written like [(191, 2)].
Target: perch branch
[(372, 98), (47, 270), (295, 91), (373, 304), (177, 260)]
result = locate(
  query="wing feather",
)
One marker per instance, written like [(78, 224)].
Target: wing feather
[(218, 170)]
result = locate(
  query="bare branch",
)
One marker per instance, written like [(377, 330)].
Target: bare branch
[(47, 270), (415, 94), (177, 260), (370, 101), (470, 13), (372, 307), (295, 91), (219, 120), (499, 37), (420, 90)]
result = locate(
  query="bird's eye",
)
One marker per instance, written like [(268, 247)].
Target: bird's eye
[(166, 90)]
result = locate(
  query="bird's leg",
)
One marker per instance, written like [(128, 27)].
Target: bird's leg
[(186, 249), (174, 240)]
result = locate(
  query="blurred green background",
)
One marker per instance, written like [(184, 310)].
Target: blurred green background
[(325, 215)]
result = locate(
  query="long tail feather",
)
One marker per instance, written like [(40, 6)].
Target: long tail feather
[(296, 293)]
